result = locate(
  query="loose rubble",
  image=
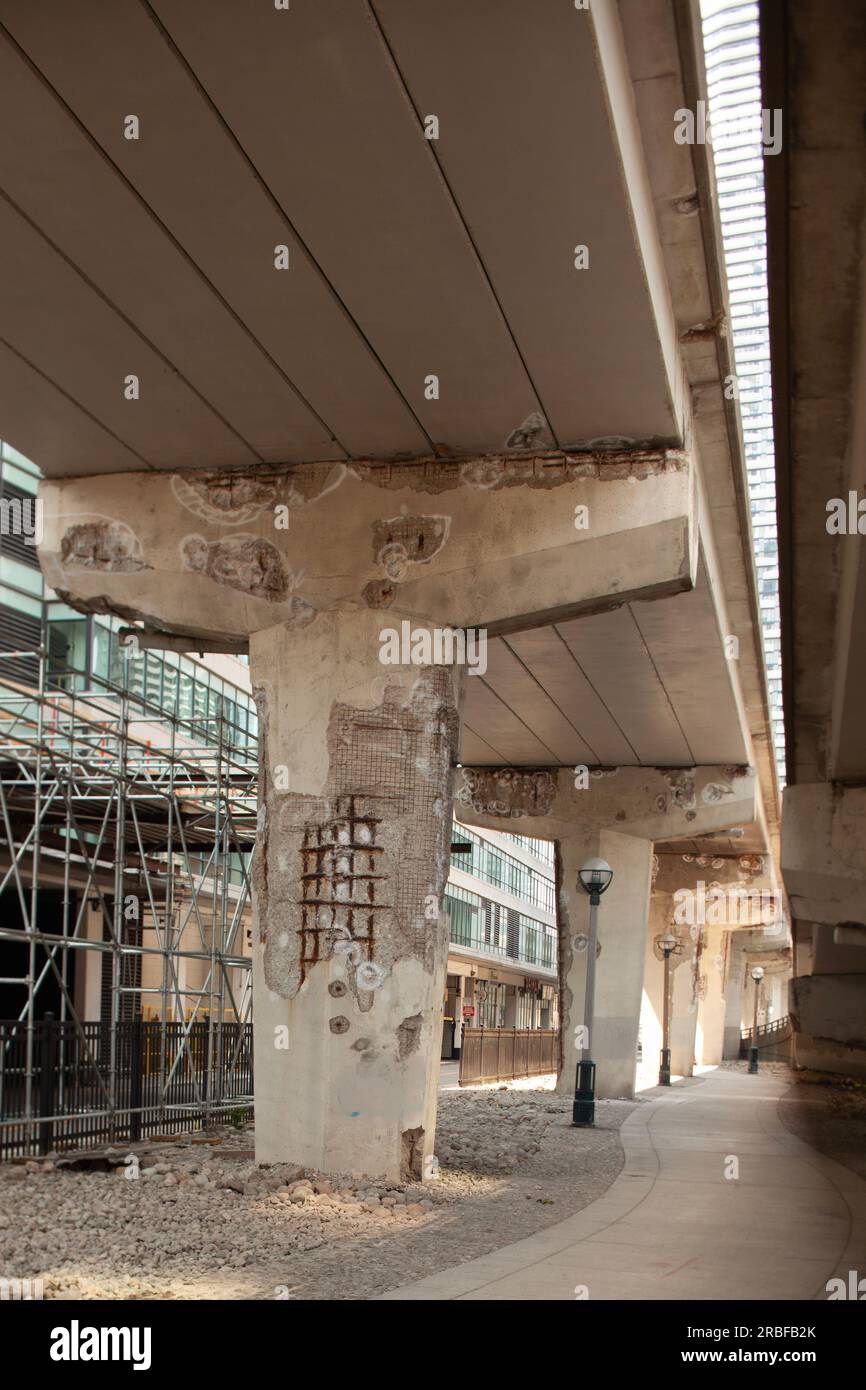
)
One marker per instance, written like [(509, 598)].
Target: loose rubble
[(194, 1216)]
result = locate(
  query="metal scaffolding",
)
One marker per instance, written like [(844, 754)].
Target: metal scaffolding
[(125, 905)]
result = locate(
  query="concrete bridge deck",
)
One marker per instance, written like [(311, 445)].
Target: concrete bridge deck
[(672, 1226)]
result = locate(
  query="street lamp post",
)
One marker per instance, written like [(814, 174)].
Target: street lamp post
[(594, 878), (667, 944), (757, 976)]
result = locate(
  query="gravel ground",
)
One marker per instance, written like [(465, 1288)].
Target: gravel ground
[(828, 1112), (203, 1221)]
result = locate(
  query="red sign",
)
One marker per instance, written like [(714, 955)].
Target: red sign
[(468, 1011)]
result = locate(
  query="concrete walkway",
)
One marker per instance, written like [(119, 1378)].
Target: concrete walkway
[(672, 1226)]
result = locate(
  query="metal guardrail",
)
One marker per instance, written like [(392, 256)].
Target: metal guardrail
[(772, 1037), (505, 1054)]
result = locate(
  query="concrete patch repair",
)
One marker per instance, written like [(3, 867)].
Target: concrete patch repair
[(432, 782)]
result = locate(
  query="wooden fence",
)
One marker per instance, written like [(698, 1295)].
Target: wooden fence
[(504, 1054)]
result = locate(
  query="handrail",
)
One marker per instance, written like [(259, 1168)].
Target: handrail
[(766, 1030)]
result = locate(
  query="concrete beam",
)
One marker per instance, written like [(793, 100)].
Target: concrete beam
[(499, 543), (350, 947)]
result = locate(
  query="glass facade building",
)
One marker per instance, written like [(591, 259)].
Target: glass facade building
[(503, 959), (84, 652)]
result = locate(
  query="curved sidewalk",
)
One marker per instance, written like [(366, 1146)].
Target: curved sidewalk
[(673, 1226)]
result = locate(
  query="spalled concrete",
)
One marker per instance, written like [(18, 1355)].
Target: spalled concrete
[(228, 554), (354, 841)]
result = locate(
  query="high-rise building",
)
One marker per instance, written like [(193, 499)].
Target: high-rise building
[(740, 134)]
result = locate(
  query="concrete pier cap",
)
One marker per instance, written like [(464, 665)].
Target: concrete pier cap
[(282, 545)]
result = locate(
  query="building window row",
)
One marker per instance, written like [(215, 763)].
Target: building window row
[(486, 926), (492, 865)]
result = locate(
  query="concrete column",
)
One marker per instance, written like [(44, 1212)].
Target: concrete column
[(682, 1002), (684, 1008), (652, 1002), (748, 948), (734, 996), (622, 920), (706, 899), (88, 967), (709, 1035), (351, 865), (458, 1015)]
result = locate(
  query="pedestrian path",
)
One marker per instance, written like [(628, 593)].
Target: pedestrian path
[(676, 1223)]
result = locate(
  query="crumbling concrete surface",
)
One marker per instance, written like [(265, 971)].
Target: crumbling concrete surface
[(353, 852)]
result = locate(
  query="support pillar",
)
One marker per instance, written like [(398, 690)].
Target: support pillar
[(685, 977), (708, 901), (351, 949), (709, 1036), (622, 919), (681, 990)]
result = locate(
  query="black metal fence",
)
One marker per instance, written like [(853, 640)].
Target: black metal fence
[(504, 1054), (66, 1083)]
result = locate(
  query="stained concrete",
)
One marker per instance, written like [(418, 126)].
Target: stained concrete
[(673, 1227)]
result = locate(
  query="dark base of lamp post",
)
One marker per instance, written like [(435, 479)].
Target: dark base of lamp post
[(665, 1068), (583, 1110), (753, 1060)]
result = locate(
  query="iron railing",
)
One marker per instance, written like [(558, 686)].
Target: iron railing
[(772, 1039), (65, 1083)]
